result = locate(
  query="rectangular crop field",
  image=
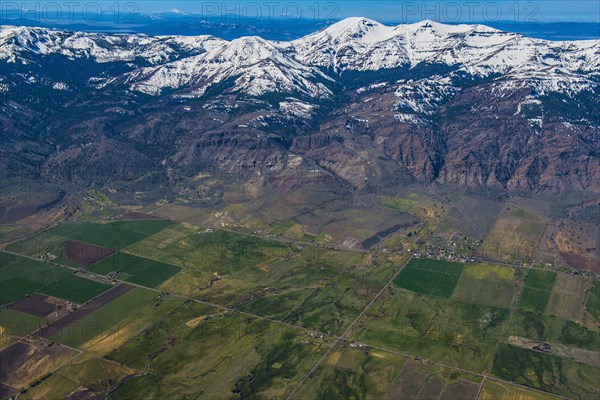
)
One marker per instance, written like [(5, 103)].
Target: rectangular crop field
[(486, 284), (138, 270), (16, 323), (113, 235), (593, 305), (21, 276), (438, 278), (516, 233), (75, 289), (112, 324), (567, 299), (538, 287), (533, 299), (23, 363), (539, 279)]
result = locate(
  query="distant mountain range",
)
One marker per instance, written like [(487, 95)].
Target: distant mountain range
[(359, 102)]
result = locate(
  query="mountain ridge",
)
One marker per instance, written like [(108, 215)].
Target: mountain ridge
[(360, 105), (353, 44)]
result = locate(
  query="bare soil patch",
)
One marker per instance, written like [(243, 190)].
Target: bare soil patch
[(38, 304), (139, 216), (85, 254), (105, 298)]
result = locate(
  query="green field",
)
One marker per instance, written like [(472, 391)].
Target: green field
[(75, 289), (199, 353), (220, 251), (538, 279), (593, 305), (86, 371), (114, 235), (546, 372), (451, 313), (21, 276), (138, 270), (548, 328), (112, 324), (16, 323), (486, 284), (438, 278), (537, 291), (453, 332), (324, 292), (533, 299), (358, 373), (310, 286)]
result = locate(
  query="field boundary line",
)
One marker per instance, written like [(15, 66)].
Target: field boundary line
[(349, 329)]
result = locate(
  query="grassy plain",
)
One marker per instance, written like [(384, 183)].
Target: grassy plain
[(547, 372), (84, 375), (201, 353), (457, 333), (366, 373)]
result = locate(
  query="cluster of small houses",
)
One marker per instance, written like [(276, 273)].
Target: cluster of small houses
[(47, 257)]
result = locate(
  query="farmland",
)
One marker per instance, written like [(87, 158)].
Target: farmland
[(75, 289), (83, 376), (593, 306), (548, 328), (485, 284), (24, 363), (517, 231), (493, 390), (20, 276), (537, 291), (199, 353), (113, 235), (121, 318), (567, 298), (18, 323), (546, 372), (429, 334), (137, 270), (83, 253), (438, 278), (454, 332), (364, 373)]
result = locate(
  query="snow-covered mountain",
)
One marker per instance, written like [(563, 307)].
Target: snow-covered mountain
[(17, 44), (257, 65), (356, 105), (311, 65), (361, 44)]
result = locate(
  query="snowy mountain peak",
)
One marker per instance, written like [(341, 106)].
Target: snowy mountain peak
[(20, 43), (355, 30), (258, 66)]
